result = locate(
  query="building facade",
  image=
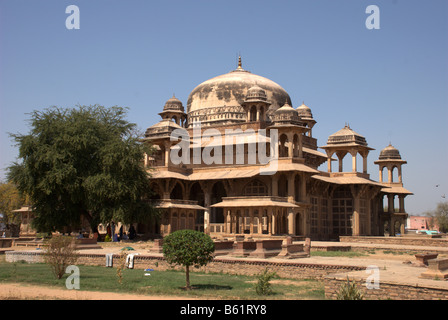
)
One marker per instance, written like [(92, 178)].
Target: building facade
[(241, 160)]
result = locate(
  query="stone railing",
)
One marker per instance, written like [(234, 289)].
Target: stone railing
[(217, 227)]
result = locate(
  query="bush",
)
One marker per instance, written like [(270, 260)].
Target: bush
[(349, 291), (188, 248), (263, 285), (59, 254)]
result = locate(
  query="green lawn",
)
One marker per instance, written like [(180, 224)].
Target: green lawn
[(207, 286)]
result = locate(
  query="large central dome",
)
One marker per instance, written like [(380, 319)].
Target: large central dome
[(230, 90)]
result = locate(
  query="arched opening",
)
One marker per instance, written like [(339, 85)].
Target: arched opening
[(253, 113), (255, 188), (385, 203), (197, 194), (281, 222), (295, 144), (359, 163), (394, 174), (297, 188), (283, 146), (347, 163), (177, 192), (160, 156), (298, 224), (282, 186), (261, 114), (218, 192), (383, 177)]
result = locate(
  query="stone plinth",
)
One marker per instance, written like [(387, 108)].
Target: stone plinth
[(223, 247), (423, 258), (85, 243), (437, 269), (293, 251), (243, 248), (266, 248)]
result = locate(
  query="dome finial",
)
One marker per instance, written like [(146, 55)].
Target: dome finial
[(240, 65)]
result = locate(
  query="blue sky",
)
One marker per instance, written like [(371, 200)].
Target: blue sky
[(389, 84)]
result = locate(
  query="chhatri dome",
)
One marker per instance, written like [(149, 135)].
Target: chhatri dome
[(305, 111), (231, 90), (390, 152)]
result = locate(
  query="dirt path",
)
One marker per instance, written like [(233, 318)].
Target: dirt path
[(18, 291)]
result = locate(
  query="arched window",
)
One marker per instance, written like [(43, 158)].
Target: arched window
[(383, 177), (282, 186), (283, 146), (255, 188), (295, 145), (394, 174), (261, 114), (253, 113)]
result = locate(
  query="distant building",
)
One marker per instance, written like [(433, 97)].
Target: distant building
[(416, 223), (26, 217)]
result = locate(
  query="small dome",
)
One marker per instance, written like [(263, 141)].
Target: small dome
[(256, 93), (286, 114), (173, 104), (286, 109), (389, 153), (304, 112)]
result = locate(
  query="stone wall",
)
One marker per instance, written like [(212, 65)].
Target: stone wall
[(27, 256), (411, 241), (387, 291)]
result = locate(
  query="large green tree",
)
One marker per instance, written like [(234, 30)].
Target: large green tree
[(83, 161)]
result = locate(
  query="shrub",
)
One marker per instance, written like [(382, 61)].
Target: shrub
[(59, 254), (263, 285), (188, 248), (349, 291)]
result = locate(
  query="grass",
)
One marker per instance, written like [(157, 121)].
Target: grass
[(206, 285)]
